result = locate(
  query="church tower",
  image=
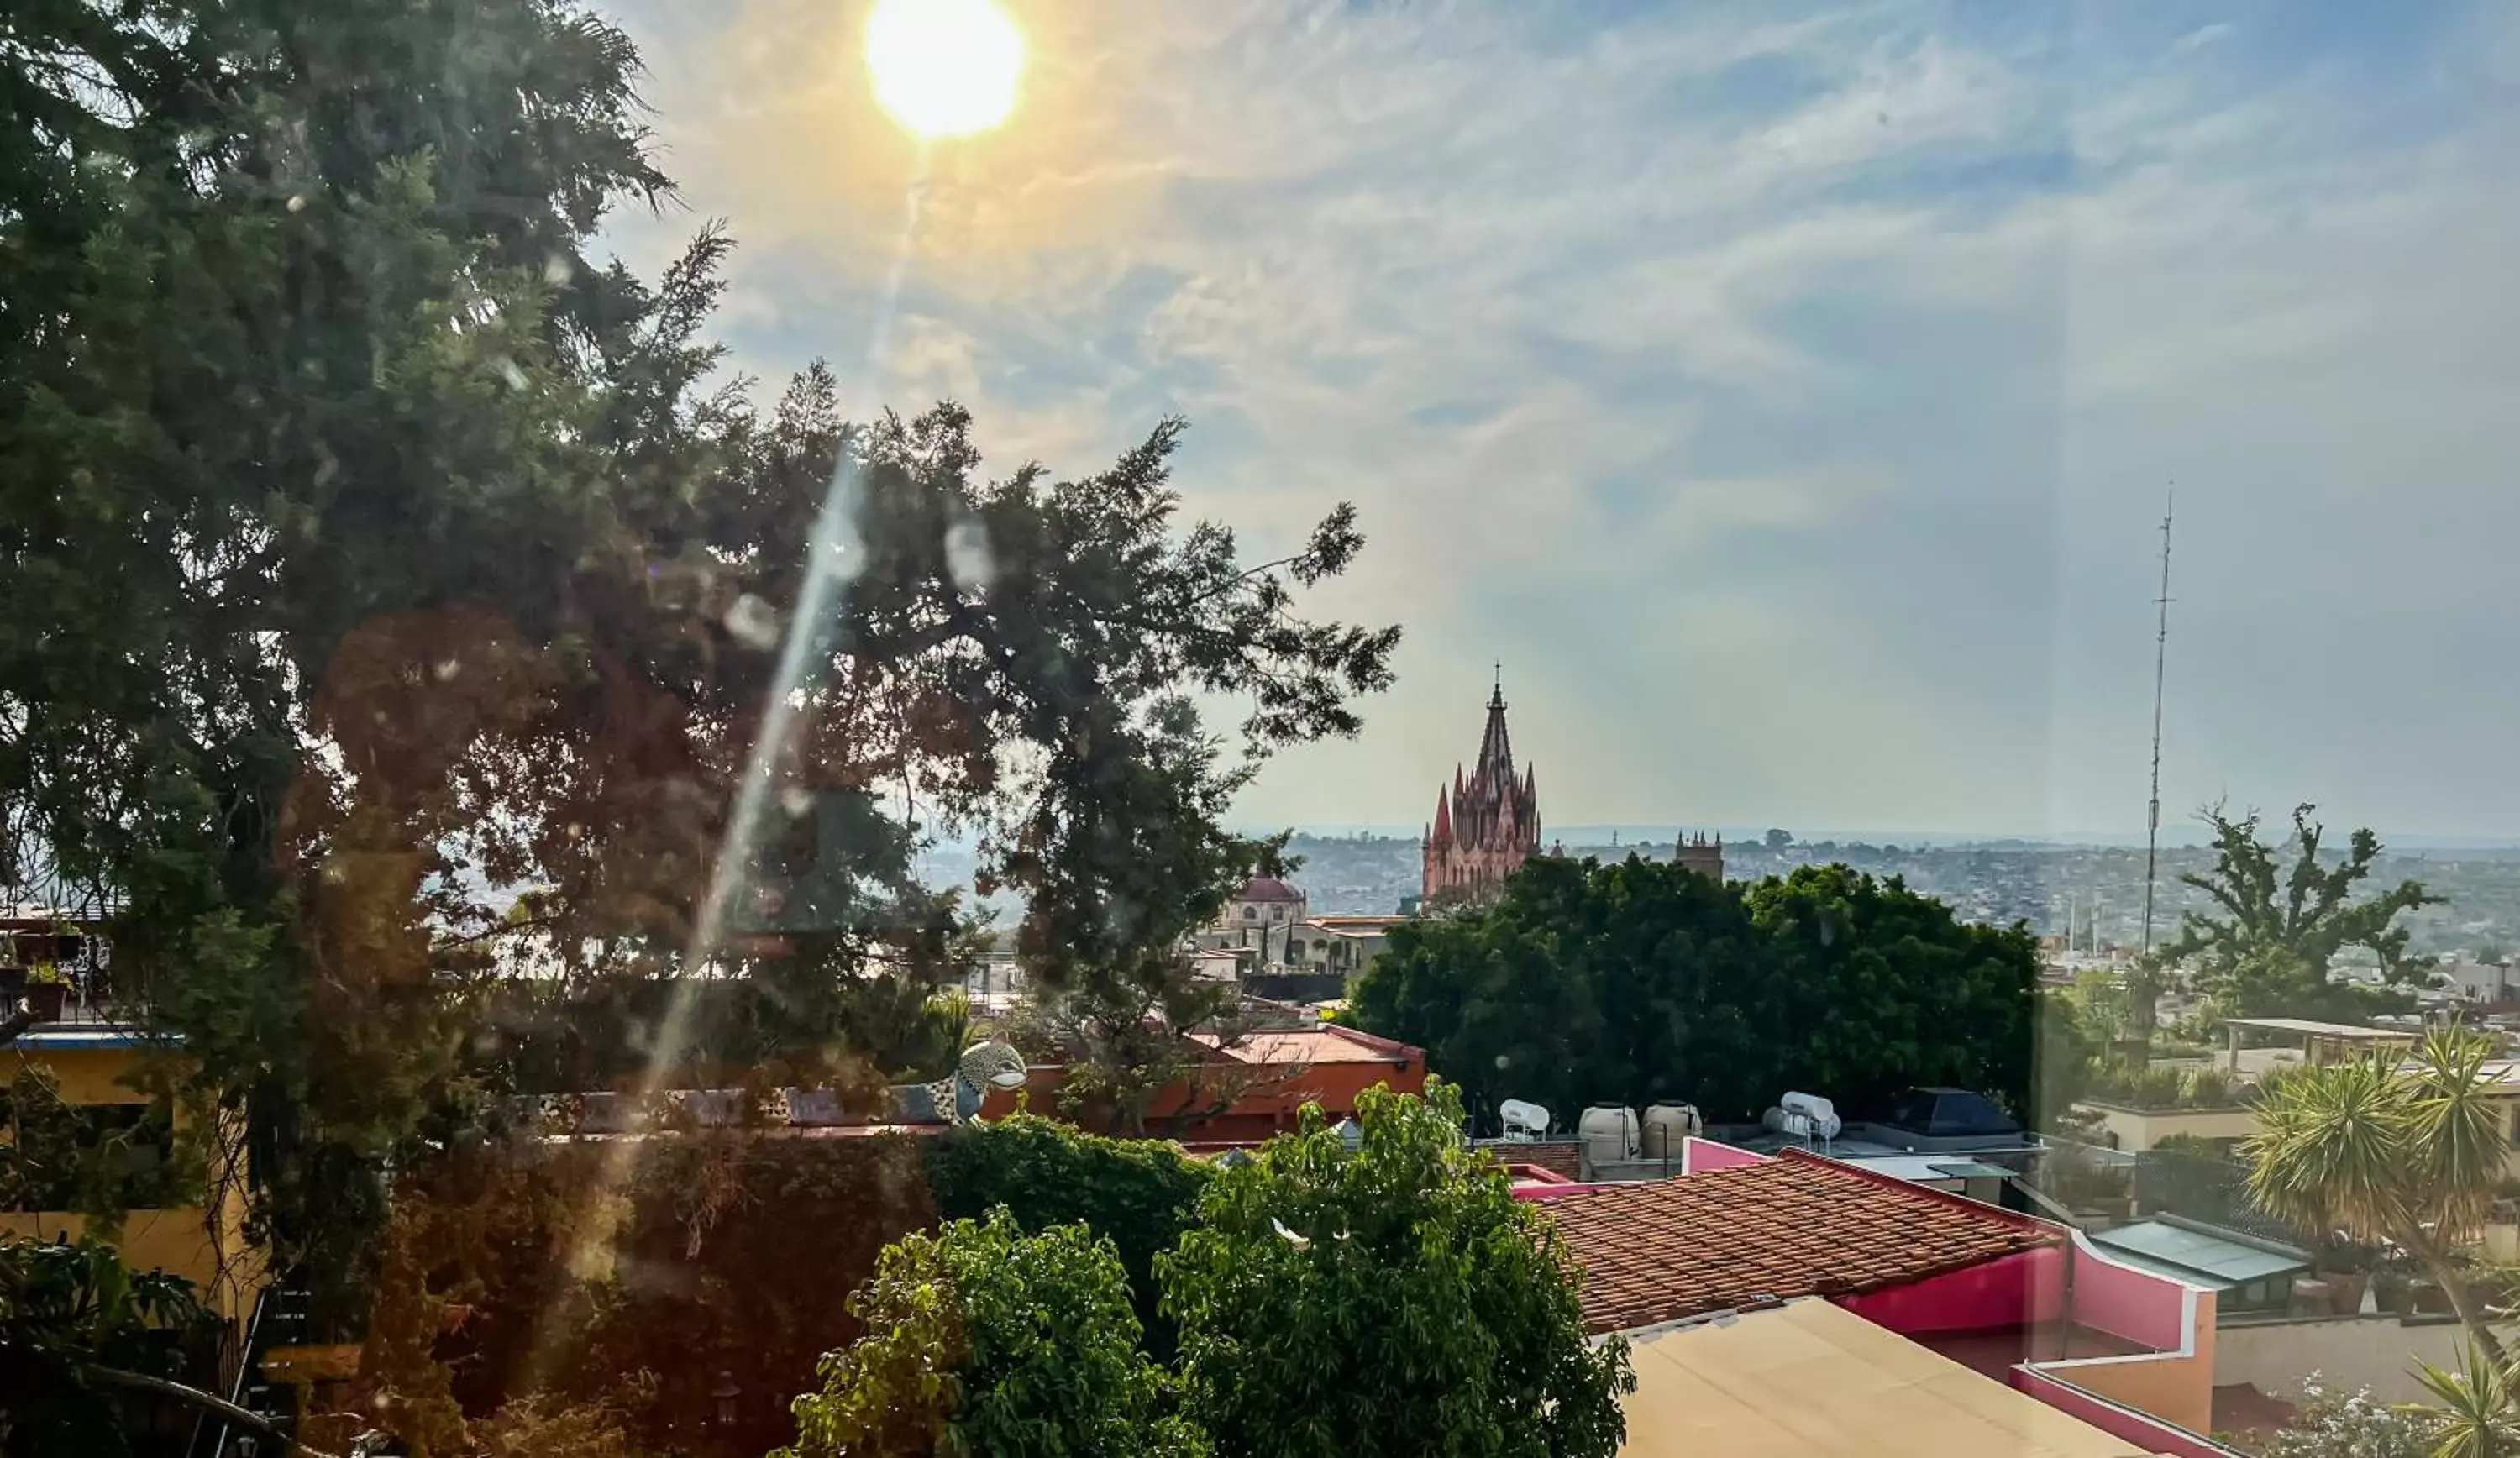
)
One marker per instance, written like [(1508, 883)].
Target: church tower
[(1486, 825)]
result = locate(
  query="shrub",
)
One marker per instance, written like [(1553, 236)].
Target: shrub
[(982, 1339), (2205, 1088), (1394, 1300), (1137, 1192)]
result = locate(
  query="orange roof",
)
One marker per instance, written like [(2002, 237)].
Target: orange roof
[(1326, 1044), (1794, 1225)]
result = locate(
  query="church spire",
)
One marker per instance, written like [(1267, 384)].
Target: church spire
[(1488, 821)]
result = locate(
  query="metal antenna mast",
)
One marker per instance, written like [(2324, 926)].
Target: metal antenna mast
[(2160, 657)]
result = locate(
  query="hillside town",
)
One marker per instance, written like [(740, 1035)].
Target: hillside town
[(616, 846)]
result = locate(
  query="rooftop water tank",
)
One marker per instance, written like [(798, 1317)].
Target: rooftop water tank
[(1608, 1133), (1820, 1111), (1524, 1121), (1666, 1127)]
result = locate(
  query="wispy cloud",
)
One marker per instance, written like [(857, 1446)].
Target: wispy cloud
[(1786, 398)]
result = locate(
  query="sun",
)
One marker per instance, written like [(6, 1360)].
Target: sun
[(944, 68)]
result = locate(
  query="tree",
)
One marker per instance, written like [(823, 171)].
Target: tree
[(2409, 1153), (1137, 1194), (982, 1338), (1393, 1298), (1638, 982), (449, 594), (2266, 951)]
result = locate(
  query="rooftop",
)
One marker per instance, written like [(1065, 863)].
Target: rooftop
[(2216, 1259), (1323, 1044), (1797, 1224), (1814, 1381), (1267, 888)]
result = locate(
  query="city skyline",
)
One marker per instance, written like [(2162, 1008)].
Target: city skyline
[(1786, 397)]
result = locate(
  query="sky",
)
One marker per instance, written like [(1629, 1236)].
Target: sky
[(1786, 398)]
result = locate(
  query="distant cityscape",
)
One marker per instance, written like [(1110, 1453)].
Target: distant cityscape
[(2097, 892)]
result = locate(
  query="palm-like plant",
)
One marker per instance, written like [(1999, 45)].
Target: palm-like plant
[(2476, 1412), (2406, 1152)]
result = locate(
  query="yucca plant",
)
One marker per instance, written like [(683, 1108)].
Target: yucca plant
[(2475, 1409), (2407, 1152)]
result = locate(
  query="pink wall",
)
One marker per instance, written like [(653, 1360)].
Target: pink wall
[(1537, 1192), (2017, 1290), (1697, 1156), (2149, 1433), (2146, 1309)]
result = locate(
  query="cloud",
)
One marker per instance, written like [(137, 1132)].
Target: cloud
[(1786, 398)]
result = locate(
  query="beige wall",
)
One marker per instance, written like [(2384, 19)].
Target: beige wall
[(2135, 1130), (2347, 1352)]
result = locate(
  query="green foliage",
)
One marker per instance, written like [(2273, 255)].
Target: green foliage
[(2068, 1058), (100, 1161), (65, 1312), (2410, 1154), (442, 565), (1138, 1194), (2265, 950), (1392, 1300), (982, 1339), (2477, 1417), (1638, 982)]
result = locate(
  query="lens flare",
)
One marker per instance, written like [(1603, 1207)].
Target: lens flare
[(945, 68)]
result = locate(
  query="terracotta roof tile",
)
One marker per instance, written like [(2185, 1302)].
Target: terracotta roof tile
[(1794, 1225)]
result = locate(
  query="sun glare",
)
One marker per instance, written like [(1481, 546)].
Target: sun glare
[(944, 68)]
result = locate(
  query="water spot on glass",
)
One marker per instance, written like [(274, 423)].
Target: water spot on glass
[(1503, 1059), (558, 269), (508, 372), (967, 558), (753, 623), (297, 203), (446, 668), (795, 800)]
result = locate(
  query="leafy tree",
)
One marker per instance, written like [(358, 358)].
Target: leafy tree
[(2267, 949), (442, 569), (1138, 1194), (1638, 982), (1391, 1300), (2407, 1154), (982, 1339)]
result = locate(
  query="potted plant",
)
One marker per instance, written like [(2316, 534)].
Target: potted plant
[(2393, 1286), (46, 988), (2346, 1267)]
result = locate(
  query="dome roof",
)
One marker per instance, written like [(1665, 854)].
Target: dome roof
[(1268, 889)]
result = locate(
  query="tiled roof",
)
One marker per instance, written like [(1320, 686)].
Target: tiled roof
[(1268, 889), (1793, 1225)]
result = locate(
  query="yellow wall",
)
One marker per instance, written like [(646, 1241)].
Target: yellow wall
[(90, 1076), (180, 1241)]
